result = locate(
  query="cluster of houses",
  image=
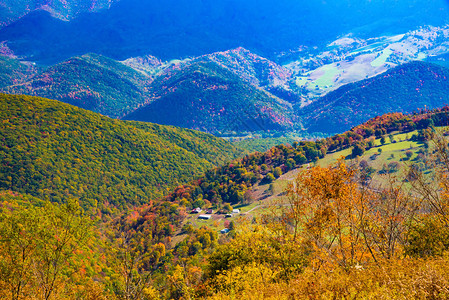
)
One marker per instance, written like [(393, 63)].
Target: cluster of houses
[(209, 213), (234, 212)]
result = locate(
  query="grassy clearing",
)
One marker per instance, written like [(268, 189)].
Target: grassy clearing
[(382, 59), (421, 56), (333, 157), (389, 151), (327, 79), (313, 80), (302, 81), (370, 47)]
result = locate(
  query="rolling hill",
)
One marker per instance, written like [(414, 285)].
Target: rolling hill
[(406, 88), (53, 151), (226, 90), (91, 81), (204, 96)]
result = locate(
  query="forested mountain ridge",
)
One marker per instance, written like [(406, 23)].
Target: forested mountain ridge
[(53, 150), (206, 93), (406, 88), (91, 81), (229, 182), (249, 66), (223, 93), (258, 71), (205, 96)]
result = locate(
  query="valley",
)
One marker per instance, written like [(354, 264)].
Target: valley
[(239, 95), (224, 149)]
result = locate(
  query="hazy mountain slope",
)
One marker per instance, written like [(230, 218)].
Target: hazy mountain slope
[(406, 88), (54, 150), (147, 64), (134, 27), (12, 10), (251, 67), (90, 81), (259, 71), (204, 96)]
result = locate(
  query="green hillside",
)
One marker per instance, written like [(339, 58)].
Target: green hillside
[(91, 81), (406, 88), (207, 97), (52, 150), (171, 254)]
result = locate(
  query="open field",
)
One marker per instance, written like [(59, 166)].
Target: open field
[(382, 58)]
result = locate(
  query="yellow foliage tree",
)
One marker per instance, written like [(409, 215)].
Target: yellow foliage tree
[(322, 211)]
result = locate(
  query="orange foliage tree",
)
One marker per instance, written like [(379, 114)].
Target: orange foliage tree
[(345, 222)]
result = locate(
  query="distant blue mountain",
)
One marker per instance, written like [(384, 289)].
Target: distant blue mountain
[(12, 10), (179, 28)]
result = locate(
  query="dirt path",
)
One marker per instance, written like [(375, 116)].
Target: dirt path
[(254, 208)]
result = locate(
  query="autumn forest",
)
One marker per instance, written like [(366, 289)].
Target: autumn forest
[(224, 149)]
